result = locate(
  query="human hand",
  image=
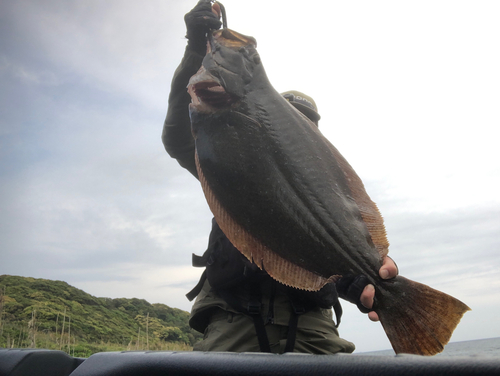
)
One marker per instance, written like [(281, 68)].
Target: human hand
[(388, 270), (199, 21)]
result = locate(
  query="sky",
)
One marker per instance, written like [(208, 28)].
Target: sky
[(409, 93)]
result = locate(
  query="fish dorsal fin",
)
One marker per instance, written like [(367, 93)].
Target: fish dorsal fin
[(368, 209)]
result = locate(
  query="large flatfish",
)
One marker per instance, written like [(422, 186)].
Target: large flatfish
[(288, 200)]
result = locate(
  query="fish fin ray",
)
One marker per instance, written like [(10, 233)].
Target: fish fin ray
[(417, 318), (368, 209)]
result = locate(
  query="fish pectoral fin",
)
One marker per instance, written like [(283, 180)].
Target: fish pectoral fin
[(236, 117)]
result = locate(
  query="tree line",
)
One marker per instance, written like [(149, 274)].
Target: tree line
[(41, 313)]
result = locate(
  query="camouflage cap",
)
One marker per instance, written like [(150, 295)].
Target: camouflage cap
[(303, 103)]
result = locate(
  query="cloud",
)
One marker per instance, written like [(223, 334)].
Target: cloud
[(117, 46), (88, 194), (155, 283)]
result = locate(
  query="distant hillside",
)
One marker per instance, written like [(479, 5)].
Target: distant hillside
[(53, 314)]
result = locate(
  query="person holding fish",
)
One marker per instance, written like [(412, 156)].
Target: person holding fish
[(239, 307)]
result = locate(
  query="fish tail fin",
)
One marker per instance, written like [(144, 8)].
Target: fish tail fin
[(417, 318)]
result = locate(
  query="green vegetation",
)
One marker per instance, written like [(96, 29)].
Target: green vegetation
[(54, 315)]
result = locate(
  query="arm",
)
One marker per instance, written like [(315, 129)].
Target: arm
[(176, 135)]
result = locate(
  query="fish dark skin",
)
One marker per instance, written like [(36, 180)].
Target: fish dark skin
[(289, 201)]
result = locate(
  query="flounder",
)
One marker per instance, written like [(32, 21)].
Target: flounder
[(288, 200)]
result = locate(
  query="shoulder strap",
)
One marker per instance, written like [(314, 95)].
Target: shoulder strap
[(337, 308), (298, 309), (225, 266), (197, 289), (253, 310)]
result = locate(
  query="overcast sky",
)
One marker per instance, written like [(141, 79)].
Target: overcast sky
[(409, 92)]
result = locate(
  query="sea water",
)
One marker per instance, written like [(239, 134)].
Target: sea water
[(489, 347)]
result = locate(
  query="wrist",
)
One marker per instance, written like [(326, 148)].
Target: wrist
[(198, 45)]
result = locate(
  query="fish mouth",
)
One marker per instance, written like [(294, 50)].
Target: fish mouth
[(232, 39), (207, 93)]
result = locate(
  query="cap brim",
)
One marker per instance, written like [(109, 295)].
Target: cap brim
[(309, 112)]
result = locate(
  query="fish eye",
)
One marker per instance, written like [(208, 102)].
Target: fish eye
[(256, 59)]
